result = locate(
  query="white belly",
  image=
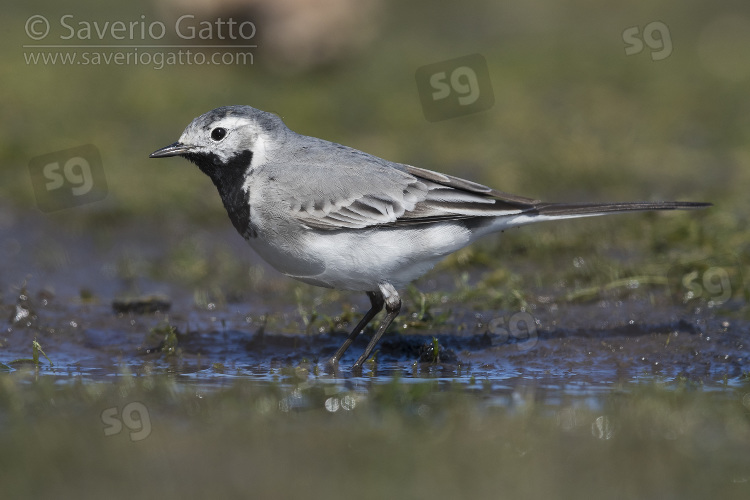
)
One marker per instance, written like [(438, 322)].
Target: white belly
[(359, 260)]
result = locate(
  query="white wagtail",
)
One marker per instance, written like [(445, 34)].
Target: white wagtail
[(333, 216)]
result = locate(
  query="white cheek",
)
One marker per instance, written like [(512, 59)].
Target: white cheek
[(260, 150)]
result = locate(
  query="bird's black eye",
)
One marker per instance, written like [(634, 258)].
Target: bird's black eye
[(218, 133)]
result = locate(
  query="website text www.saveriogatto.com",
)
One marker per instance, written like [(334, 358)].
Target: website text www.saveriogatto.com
[(69, 41)]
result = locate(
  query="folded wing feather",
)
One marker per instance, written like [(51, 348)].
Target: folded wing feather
[(409, 196)]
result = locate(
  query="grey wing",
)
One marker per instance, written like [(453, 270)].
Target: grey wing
[(378, 193)]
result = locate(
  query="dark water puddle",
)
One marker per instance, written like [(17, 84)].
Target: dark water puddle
[(93, 342)]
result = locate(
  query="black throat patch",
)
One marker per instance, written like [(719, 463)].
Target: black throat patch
[(228, 177)]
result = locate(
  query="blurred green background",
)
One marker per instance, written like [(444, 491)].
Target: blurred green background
[(574, 116)]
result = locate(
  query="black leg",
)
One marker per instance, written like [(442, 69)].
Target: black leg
[(392, 308), (377, 301)]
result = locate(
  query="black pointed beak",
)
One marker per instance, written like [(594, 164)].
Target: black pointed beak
[(174, 149)]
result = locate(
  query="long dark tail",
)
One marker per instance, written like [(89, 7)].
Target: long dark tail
[(555, 211), (590, 209)]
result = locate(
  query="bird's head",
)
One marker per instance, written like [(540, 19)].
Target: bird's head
[(230, 137)]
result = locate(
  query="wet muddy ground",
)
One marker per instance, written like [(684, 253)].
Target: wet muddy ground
[(97, 310)]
